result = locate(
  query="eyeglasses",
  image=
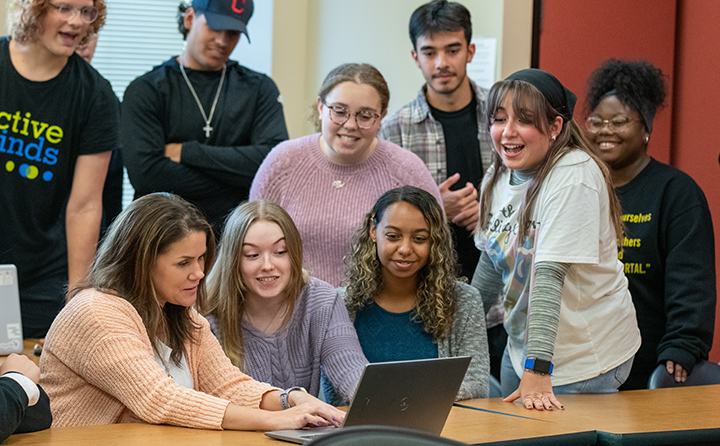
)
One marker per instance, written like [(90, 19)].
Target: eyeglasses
[(339, 115), (88, 14), (595, 124)]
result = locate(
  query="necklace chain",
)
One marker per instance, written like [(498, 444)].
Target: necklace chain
[(247, 315), (208, 129)]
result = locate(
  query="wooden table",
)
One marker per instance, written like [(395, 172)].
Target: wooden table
[(138, 434), (641, 417)]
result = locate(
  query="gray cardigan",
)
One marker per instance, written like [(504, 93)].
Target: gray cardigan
[(319, 334)]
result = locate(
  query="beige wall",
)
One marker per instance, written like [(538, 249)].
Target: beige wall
[(4, 9), (313, 36), (516, 37)]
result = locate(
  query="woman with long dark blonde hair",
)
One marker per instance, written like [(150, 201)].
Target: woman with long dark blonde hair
[(548, 228), (129, 345), (403, 294), (275, 322)]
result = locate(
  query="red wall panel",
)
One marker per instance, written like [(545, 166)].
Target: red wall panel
[(697, 111)]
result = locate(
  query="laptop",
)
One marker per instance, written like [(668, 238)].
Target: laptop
[(11, 337), (414, 394)]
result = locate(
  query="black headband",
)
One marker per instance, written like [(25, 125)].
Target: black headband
[(647, 115), (559, 97)]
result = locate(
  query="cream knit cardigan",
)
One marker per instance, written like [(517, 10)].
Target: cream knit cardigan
[(98, 367)]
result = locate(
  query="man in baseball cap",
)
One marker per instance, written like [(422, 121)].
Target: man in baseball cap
[(223, 14), (200, 124)]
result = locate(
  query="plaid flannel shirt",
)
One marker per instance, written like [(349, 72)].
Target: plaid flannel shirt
[(414, 128)]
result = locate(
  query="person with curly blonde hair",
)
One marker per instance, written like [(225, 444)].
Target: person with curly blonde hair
[(403, 294), (28, 18), (58, 126)]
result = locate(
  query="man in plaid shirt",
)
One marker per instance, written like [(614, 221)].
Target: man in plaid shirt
[(444, 127)]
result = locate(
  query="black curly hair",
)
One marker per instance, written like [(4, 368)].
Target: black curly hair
[(637, 83)]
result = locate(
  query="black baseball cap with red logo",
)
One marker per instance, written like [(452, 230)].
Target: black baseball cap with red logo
[(225, 14)]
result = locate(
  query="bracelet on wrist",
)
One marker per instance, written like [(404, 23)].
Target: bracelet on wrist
[(285, 396)]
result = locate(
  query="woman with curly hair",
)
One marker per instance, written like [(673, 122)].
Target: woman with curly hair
[(403, 293), (668, 247), (549, 221), (59, 121), (275, 322)]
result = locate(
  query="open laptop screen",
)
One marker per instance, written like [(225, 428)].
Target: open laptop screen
[(415, 394), (11, 337)]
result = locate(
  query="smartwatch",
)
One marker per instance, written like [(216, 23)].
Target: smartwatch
[(284, 397), (538, 366)]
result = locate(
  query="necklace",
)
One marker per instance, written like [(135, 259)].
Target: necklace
[(257, 326), (208, 129)]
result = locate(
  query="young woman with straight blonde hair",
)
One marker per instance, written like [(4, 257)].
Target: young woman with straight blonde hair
[(274, 321)]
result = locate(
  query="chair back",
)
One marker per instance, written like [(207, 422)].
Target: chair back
[(704, 373)]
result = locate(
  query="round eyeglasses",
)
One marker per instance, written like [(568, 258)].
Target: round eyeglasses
[(88, 14), (364, 119), (617, 124)]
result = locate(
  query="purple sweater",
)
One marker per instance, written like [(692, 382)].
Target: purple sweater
[(319, 334), (327, 201)]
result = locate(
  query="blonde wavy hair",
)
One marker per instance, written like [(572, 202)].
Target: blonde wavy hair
[(226, 289), (436, 292), (25, 19), (530, 105)]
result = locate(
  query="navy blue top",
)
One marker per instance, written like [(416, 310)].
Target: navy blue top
[(386, 336)]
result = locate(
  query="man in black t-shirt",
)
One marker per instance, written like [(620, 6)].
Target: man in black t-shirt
[(58, 126), (443, 126), (200, 124)]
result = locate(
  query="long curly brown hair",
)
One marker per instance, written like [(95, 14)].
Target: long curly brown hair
[(27, 14), (436, 295)]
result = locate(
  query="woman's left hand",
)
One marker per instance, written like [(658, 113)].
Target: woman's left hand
[(535, 392)]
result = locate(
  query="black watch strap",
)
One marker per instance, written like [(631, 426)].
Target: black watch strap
[(538, 366)]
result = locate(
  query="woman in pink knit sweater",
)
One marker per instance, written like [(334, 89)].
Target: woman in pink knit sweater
[(329, 180), (130, 347)]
